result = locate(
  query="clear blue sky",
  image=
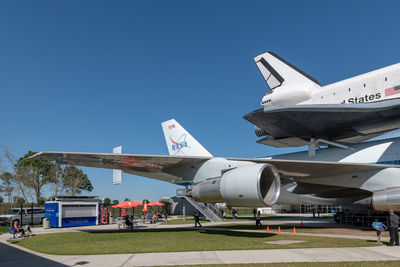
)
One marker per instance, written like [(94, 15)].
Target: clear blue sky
[(90, 75)]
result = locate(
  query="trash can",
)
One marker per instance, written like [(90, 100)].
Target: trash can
[(46, 223)]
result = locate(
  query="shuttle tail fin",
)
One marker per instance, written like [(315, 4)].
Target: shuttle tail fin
[(180, 142), (277, 71)]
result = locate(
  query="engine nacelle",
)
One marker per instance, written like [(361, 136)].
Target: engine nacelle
[(384, 200), (250, 185)]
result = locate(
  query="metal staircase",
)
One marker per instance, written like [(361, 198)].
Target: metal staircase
[(207, 209)]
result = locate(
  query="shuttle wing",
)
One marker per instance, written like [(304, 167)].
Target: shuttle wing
[(165, 167), (346, 123)]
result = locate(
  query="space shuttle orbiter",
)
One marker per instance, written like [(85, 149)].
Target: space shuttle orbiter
[(299, 109)]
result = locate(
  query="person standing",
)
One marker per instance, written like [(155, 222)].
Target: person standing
[(313, 212), (393, 228), (258, 219), (255, 213), (234, 214), (197, 219)]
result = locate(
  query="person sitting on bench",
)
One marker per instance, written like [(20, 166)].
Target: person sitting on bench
[(17, 228), (128, 223)]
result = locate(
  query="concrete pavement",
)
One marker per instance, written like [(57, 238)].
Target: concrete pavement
[(12, 255), (381, 253)]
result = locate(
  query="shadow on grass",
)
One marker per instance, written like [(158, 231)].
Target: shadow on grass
[(287, 226), (237, 234), (227, 232), (251, 227), (251, 218)]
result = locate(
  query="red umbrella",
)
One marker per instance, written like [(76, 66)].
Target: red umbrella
[(136, 204), (156, 203), (127, 205), (145, 207)]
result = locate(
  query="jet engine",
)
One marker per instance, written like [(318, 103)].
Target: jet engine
[(260, 132), (384, 200), (250, 185)]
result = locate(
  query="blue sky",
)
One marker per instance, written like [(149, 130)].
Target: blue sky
[(90, 75)]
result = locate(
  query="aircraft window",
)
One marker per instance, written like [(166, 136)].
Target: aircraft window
[(364, 84), (334, 94), (322, 97), (349, 89), (385, 79)]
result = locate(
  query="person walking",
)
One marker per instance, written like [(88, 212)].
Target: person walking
[(197, 219), (258, 219), (393, 228), (234, 214)]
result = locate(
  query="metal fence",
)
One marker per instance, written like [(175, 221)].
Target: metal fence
[(364, 221)]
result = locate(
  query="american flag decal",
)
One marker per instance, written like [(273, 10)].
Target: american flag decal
[(392, 91), (171, 126)]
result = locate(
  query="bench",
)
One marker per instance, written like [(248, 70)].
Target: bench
[(14, 233), (122, 223)]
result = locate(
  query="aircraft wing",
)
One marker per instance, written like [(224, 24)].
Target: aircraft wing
[(165, 167), (152, 166), (288, 126), (316, 169)]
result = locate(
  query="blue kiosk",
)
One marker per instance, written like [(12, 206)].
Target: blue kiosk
[(68, 211)]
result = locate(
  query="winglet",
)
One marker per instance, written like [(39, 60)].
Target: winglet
[(180, 142), (117, 174)]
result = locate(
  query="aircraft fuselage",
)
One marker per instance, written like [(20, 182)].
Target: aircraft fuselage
[(374, 86)]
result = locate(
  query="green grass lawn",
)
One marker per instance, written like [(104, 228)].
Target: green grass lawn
[(171, 240), (3, 229)]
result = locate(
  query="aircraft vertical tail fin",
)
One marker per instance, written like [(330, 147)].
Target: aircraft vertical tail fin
[(180, 142), (277, 71)]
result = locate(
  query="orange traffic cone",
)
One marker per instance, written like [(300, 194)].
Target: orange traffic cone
[(279, 230), (294, 230), (267, 229)]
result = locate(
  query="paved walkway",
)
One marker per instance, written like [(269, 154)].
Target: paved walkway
[(12, 255), (30, 258)]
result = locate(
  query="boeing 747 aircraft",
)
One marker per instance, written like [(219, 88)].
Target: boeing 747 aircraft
[(366, 174), (298, 109)]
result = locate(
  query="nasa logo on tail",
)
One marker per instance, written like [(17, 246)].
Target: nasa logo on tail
[(179, 145)]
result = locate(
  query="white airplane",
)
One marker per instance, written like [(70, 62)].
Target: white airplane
[(367, 174), (299, 108)]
